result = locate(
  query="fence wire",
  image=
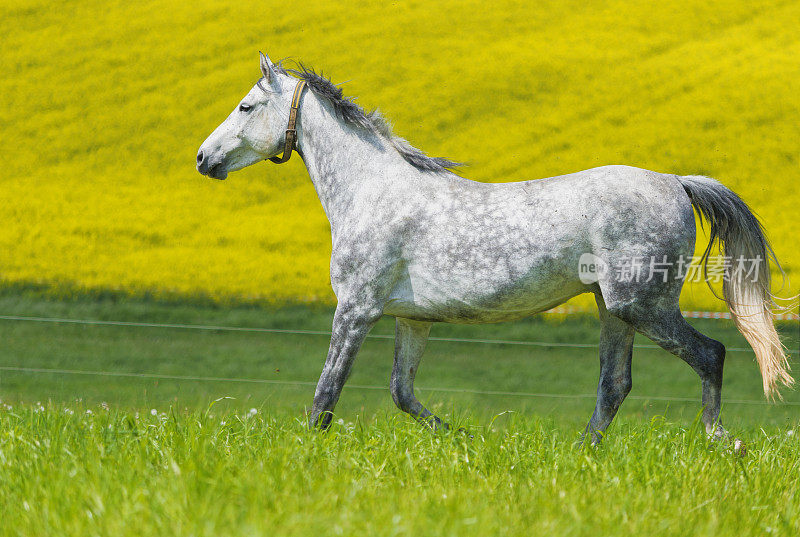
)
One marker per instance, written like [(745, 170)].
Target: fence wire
[(223, 328)]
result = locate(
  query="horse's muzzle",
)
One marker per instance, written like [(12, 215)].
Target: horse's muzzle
[(216, 170)]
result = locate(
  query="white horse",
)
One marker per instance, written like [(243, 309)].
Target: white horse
[(413, 240)]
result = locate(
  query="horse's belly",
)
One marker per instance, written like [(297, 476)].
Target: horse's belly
[(479, 301)]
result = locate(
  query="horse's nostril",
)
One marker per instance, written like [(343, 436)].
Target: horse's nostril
[(199, 157)]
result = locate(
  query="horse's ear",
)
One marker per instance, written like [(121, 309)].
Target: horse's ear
[(266, 67)]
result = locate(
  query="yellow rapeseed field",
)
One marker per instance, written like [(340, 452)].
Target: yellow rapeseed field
[(104, 104)]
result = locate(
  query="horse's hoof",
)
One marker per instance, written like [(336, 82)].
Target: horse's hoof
[(739, 448)]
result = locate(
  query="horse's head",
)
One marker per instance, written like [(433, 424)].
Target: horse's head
[(254, 131)]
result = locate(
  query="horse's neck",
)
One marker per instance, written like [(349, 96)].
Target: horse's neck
[(340, 159)]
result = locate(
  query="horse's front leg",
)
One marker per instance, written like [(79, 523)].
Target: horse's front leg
[(351, 324)]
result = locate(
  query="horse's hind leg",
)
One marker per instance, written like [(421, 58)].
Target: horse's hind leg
[(665, 325), (409, 344), (616, 349)]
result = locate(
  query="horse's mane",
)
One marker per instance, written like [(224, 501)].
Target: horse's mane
[(371, 121)]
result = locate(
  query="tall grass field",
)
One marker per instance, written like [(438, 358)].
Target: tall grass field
[(113, 429), (218, 473), (109, 429), (104, 105)]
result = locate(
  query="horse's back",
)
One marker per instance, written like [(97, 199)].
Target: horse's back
[(484, 252)]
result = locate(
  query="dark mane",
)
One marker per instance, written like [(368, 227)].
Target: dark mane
[(371, 121)]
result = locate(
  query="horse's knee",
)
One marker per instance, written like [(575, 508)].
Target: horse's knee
[(615, 390)]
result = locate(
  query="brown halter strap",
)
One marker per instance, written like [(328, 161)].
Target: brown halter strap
[(291, 130)]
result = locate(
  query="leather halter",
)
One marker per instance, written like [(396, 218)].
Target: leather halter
[(291, 131)]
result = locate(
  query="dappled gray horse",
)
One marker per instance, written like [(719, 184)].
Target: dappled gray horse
[(414, 240)]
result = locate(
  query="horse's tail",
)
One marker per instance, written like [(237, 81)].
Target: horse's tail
[(746, 292)]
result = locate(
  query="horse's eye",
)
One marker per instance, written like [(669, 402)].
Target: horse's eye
[(244, 107)]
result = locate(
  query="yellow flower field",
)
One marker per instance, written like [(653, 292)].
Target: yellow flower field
[(104, 104)]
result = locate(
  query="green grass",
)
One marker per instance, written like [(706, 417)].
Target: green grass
[(84, 454), (212, 473)]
